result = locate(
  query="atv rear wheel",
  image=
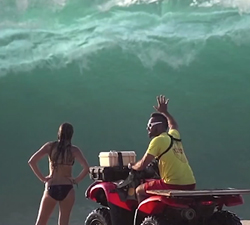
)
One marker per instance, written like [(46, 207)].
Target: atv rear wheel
[(224, 218), (100, 216), (154, 220)]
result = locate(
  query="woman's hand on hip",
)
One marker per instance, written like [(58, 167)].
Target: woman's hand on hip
[(46, 179)]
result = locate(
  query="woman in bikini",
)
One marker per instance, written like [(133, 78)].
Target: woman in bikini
[(59, 183)]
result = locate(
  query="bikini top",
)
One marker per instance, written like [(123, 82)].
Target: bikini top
[(65, 161)]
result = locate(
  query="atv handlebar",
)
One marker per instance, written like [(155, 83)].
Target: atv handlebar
[(138, 175)]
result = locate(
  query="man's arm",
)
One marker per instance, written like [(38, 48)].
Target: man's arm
[(162, 108), (142, 164), (150, 154), (172, 124)]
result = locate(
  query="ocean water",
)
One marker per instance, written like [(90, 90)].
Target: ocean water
[(99, 65)]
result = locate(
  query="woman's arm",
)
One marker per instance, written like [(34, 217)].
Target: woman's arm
[(44, 150), (82, 160)]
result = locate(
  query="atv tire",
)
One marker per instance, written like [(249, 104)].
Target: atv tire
[(153, 220), (224, 218), (100, 216)]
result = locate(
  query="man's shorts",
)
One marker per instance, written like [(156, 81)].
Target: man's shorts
[(161, 185)]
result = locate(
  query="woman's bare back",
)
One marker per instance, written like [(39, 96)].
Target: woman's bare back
[(61, 170)]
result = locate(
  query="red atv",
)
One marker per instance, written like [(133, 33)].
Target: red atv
[(114, 189)]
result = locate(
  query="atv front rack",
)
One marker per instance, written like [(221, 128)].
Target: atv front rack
[(108, 174)]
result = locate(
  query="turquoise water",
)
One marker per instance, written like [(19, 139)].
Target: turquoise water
[(99, 65)]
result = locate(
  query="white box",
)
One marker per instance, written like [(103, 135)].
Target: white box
[(109, 159)]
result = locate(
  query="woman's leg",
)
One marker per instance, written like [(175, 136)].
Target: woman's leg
[(47, 206), (65, 207)]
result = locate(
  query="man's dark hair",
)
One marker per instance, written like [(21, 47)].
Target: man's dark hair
[(161, 118)]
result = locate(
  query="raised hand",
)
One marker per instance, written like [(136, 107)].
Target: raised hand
[(162, 104)]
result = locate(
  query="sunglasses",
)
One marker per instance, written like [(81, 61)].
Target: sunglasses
[(150, 125)]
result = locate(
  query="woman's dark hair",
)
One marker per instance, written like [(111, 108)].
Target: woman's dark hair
[(65, 134)]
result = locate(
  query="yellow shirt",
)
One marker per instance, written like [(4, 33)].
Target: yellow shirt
[(173, 165)]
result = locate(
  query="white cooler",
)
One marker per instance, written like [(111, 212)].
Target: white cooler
[(109, 159)]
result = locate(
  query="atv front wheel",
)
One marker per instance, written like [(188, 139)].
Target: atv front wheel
[(100, 216), (224, 218), (153, 220)]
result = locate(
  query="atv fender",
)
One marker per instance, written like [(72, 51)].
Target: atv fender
[(233, 200), (156, 204), (87, 192), (110, 192)]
